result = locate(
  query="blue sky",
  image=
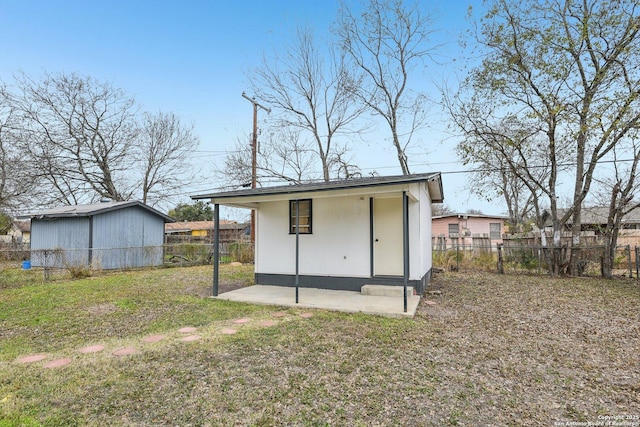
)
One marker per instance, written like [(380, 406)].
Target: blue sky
[(193, 57)]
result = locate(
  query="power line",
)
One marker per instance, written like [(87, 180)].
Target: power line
[(230, 187)]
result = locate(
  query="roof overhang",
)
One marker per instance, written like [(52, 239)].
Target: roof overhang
[(371, 187)]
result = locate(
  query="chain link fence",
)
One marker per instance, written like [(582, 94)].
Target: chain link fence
[(14, 252), (533, 259), (80, 262)]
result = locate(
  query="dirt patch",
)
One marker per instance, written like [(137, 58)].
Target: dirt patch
[(102, 309), (206, 290)]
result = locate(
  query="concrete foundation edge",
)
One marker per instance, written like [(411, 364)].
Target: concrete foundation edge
[(339, 283)]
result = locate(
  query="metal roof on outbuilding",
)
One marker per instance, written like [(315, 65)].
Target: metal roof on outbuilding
[(93, 209)]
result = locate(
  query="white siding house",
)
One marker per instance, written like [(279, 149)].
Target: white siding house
[(351, 233), (107, 235)]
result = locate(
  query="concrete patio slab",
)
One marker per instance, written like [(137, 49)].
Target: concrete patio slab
[(347, 301)]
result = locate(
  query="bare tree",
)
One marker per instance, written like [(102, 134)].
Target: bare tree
[(387, 42), (18, 183), (441, 209), (282, 156), (343, 166), (506, 160), (569, 72), (312, 94), (80, 132), (620, 190), (164, 149), (496, 179)]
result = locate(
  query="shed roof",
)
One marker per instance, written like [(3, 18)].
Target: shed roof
[(434, 179), (72, 211), (202, 225)]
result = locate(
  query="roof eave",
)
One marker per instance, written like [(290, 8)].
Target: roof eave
[(239, 198)]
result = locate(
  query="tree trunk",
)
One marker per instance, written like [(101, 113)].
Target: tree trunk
[(402, 158)]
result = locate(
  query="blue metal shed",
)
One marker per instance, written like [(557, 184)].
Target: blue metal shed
[(108, 235)]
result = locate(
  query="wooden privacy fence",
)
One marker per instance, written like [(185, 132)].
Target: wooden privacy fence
[(476, 242)]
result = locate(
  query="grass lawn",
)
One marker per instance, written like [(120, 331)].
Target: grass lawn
[(494, 350)]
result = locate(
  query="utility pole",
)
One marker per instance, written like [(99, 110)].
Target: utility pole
[(254, 155)]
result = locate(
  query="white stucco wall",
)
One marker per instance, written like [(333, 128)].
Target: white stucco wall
[(339, 245), (426, 260), (419, 231)]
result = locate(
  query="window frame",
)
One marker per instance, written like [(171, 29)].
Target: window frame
[(304, 229), (457, 226), (498, 231)]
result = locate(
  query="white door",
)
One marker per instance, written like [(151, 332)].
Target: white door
[(387, 237)]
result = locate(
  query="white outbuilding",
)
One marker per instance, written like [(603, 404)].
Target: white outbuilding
[(341, 235)]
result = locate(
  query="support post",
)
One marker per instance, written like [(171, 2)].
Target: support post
[(216, 247), (405, 245), (500, 260), (90, 258), (371, 238), (297, 248)]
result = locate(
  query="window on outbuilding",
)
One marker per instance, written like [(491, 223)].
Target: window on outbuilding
[(304, 216), (454, 229), (495, 231)]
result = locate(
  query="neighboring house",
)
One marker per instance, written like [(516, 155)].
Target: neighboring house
[(349, 233), (20, 232), (593, 224), (103, 235), (467, 230), (594, 221), (23, 231), (202, 231)]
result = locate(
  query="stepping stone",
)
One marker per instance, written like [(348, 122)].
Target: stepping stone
[(58, 363), (228, 331), (241, 321), (153, 338), (187, 330), (125, 351), (429, 302), (279, 314), (92, 349), (32, 358), (191, 338), (267, 323), (306, 315)]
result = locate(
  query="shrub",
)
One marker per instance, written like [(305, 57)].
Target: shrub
[(78, 271), (241, 252)]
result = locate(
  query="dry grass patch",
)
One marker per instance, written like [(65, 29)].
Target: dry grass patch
[(495, 350)]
